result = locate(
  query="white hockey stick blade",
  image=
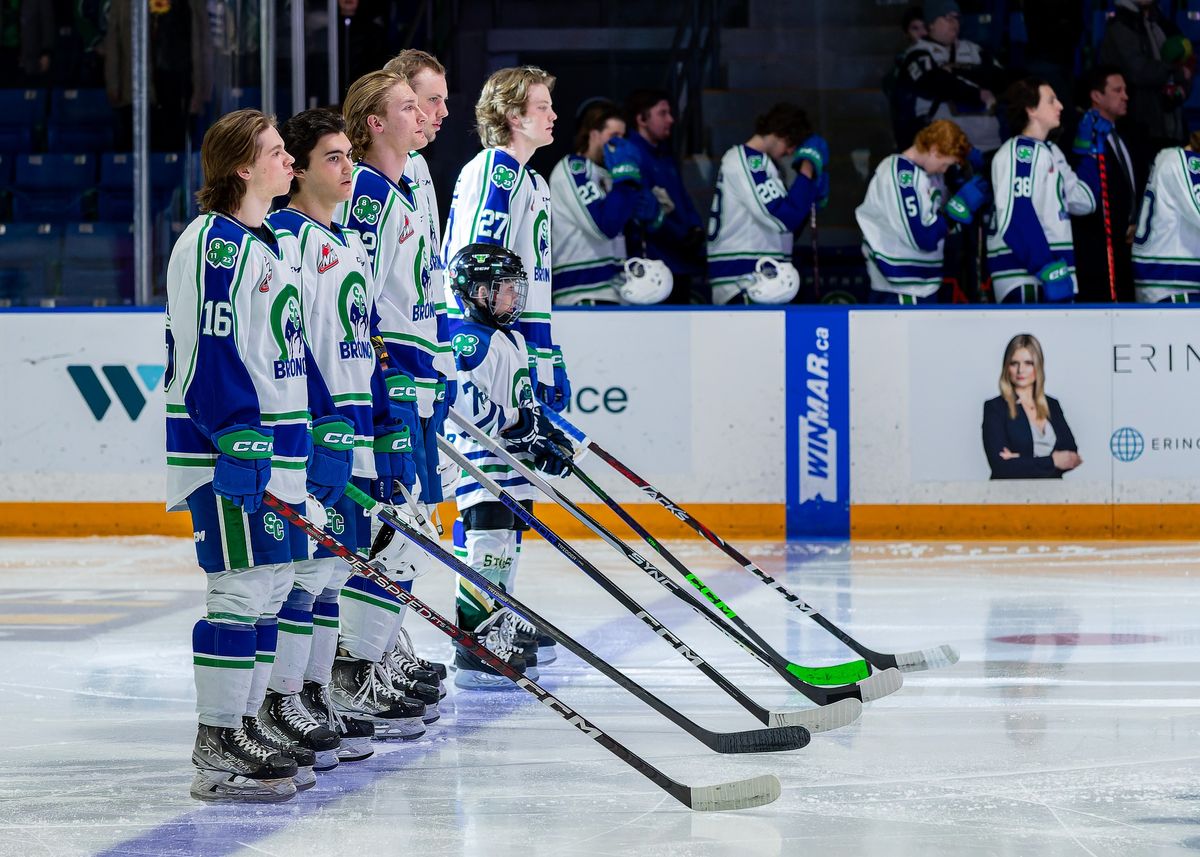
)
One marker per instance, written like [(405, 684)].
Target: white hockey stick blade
[(880, 684), (944, 655), (822, 719), (744, 794)]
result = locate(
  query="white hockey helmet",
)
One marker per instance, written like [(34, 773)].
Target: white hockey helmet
[(399, 557), (773, 282), (646, 281)]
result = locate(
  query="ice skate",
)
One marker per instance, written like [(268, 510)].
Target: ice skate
[(266, 733), (355, 735), (289, 716), (232, 767), (361, 690), (423, 692), (497, 636)]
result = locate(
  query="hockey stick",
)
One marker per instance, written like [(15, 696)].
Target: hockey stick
[(812, 720), (751, 741), (741, 794), (872, 688), (932, 658), (816, 250), (1108, 238)]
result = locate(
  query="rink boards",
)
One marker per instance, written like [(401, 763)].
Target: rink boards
[(805, 421)]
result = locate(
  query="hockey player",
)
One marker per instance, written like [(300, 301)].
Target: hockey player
[(499, 200), (902, 221), (497, 395), (1030, 254), (237, 425), (1165, 264), (384, 123), (753, 215), (604, 183)]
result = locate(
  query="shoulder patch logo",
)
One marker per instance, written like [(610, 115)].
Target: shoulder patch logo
[(503, 177), (756, 162), (1025, 154), (1193, 164), (465, 344), (406, 231), (328, 258), (367, 209), (221, 253), (905, 178), (576, 166)]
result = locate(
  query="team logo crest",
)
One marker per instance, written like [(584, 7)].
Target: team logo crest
[(905, 178), (273, 526), (221, 253), (541, 240), (367, 209), (577, 166), (756, 162), (522, 391), (264, 285), (503, 177), (328, 258), (335, 521), (287, 325), (406, 231), (1193, 164), (1025, 154), (352, 308), (465, 344)]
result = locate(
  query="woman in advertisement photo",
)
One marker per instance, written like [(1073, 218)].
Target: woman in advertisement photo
[(1025, 435)]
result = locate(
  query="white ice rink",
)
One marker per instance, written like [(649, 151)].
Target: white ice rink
[(1071, 726)]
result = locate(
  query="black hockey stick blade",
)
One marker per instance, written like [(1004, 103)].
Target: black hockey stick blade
[(770, 740)]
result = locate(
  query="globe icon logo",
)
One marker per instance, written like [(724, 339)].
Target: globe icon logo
[(1127, 444)]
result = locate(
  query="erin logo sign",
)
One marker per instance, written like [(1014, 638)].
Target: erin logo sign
[(121, 384)]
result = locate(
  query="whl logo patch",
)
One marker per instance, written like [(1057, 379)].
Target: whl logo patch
[(121, 385)]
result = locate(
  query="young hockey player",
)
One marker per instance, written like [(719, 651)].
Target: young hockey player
[(902, 221), (604, 183), (497, 395), (1030, 253), (499, 200), (238, 425), (753, 215), (1165, 264)]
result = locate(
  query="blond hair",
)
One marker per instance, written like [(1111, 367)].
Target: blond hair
[(229, 145), (1029, 342), (945, 136), (368, 96), (410, 62), (502, 98)]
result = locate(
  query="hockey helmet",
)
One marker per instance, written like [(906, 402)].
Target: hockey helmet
[(397, 556), (773, 282), (500, 271), (646, 281)]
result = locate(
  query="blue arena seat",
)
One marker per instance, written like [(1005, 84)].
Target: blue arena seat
[(97, 261), (52, 188), (80, 120), (115, 198), (28, 252), (22, 112)]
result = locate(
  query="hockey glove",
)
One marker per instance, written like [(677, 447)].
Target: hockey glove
[(971, 197), (557, 396), (1089, 137), (621, 160), (331, 460), (519, 437), (814, 150), (551, 451), (1057, 282), (451, 395), (393, 449), (647, 210), (243, 465)]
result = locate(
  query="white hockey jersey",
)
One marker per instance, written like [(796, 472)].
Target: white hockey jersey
[(416, 170), (752, 217), (1036, 194), (587, 261), (903, 229), (1166, 248), (499, 201), (337, 293), (235, 353), (493, 383), (395, 230)]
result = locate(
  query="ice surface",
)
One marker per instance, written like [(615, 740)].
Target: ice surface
[(1069, 726)]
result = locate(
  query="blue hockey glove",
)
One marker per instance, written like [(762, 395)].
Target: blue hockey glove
[(243, 464), (814, 150), (393, 449), (451, 394), (331, 460), (1089, 137), (557, 396), (1057, 282), (647, 210), (621, 160), (971, 197)]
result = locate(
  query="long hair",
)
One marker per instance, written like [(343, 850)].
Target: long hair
[(502, 98), (229, 145), (368, 96), (594, 119), (1029, 342)]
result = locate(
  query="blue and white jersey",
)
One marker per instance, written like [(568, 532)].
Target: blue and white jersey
[(493, 384), (416, 171), (236, 353), (394, 228), (1166, 248), (499, 201), (1036, 194), (589, 223), (337, 293), (752, 217), (903, 229)]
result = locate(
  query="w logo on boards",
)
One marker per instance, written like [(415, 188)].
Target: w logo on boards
[(121, 383)]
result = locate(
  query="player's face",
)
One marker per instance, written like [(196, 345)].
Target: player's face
[(506, 299), (612, 128), (916, 30), (271, 173), (403, 121), (329, 170), (1049, 110), (1022, 371), (944, 29), (432, 96), (536, 124), (1114, 100), (657, 122)]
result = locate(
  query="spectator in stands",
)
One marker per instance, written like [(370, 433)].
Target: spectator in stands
[(679, 239), (952, 78), (902, 101), (1025, 435), (1166, 265), (1112, 224), (26, 41), (1157, 65), (362, 39)]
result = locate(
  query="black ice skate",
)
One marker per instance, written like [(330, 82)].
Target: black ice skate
[(355, 734), (426, 694), (496, 634), (287, 714), (361, 689), (263, 731), (232, 767)]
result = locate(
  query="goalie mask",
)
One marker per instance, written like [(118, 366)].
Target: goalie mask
[(490, 282), (646, 281), (773, 282)]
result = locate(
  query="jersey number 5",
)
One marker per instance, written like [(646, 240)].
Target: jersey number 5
[(218, 318)]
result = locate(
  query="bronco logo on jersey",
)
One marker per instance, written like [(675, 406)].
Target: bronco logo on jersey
[(1025, 154), (221, 253), (328, 258), (503, 177), (541, 247), (356, 321), (465, 344), (367, 209), (287, 326), (522, 389)]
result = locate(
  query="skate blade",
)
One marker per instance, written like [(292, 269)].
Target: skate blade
[(327, 760), (211, 787)]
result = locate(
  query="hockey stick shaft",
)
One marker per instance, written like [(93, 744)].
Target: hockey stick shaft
[(752, 741), (816, 250), (755, 792), (943, 655), (1108, 232)]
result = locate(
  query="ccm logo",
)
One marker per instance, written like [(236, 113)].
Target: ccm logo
[(252, 446), (338, 438)]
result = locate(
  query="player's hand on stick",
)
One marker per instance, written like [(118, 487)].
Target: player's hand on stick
[(243, 464), (331, 460)]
